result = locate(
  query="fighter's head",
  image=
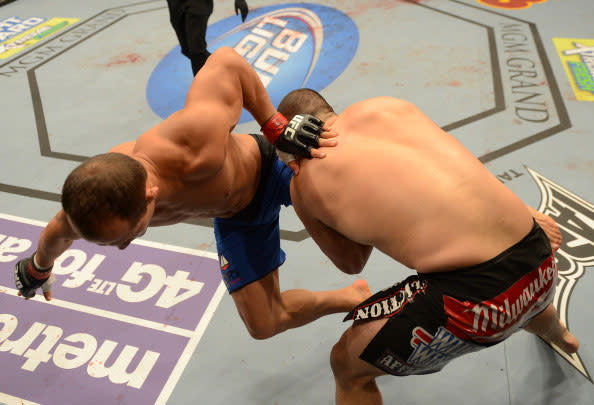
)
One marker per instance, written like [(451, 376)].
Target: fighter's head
[(107, 199), (305, 101)]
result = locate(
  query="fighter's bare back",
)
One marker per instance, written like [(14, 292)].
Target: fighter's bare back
[(388, 151)]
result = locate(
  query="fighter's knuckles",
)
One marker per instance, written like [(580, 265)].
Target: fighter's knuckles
[(317, 155)]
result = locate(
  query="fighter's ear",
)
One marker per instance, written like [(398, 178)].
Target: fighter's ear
[(151, 193)]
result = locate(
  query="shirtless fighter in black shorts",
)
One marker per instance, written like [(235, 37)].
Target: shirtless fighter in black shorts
[(397, 182)]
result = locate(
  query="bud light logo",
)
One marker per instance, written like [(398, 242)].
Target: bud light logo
[(289, 46)]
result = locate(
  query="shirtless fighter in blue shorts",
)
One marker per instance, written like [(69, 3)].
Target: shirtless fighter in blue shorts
[(397, 182), (192, 166)]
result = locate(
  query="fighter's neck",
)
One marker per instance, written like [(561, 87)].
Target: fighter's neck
[(153, 177), (329, 119)]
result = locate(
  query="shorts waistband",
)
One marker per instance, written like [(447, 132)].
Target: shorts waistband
[(267, 156), (488, 279)]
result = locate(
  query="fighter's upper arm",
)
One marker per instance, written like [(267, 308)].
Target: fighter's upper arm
[(204, 140), (199, 133), (346, 254), (213, 107), (217, 89)]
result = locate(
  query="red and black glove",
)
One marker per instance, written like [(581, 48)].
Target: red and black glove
[(28, 277), (297, 136)]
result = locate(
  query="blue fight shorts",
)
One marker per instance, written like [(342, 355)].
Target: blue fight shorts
[(248, 243)]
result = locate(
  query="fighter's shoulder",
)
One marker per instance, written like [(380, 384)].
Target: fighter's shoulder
[(169, 152), (125, 148), (184, 144)]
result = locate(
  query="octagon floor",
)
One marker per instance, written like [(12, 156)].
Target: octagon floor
[(513, 80)]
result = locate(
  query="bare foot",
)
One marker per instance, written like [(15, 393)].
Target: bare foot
[(361, 291), (564, 339), (550, 227)]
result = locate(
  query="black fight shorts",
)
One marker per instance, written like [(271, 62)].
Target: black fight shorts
[(434, 318)]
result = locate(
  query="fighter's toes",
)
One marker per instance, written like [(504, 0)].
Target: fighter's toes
[(362, 289)]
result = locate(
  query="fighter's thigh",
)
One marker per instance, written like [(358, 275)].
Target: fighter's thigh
[(345, 354), (259, 300)]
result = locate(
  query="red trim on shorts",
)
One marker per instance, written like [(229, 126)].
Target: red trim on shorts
[(495, 319)]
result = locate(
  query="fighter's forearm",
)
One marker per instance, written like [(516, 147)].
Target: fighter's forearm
[(255, 96), (55, 238), (295, 138), (49, 249)]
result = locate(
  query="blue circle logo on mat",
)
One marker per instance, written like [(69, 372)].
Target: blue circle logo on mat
[(289, 45)]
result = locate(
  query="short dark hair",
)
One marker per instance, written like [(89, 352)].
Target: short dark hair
[(111, 185), (304, 101)]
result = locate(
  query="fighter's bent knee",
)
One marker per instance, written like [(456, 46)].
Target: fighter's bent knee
[(261, 334), (261, 330), (338, 358)]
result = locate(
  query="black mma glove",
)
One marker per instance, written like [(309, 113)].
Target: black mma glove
[(296, 137), (241, 5), (27, 284)]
